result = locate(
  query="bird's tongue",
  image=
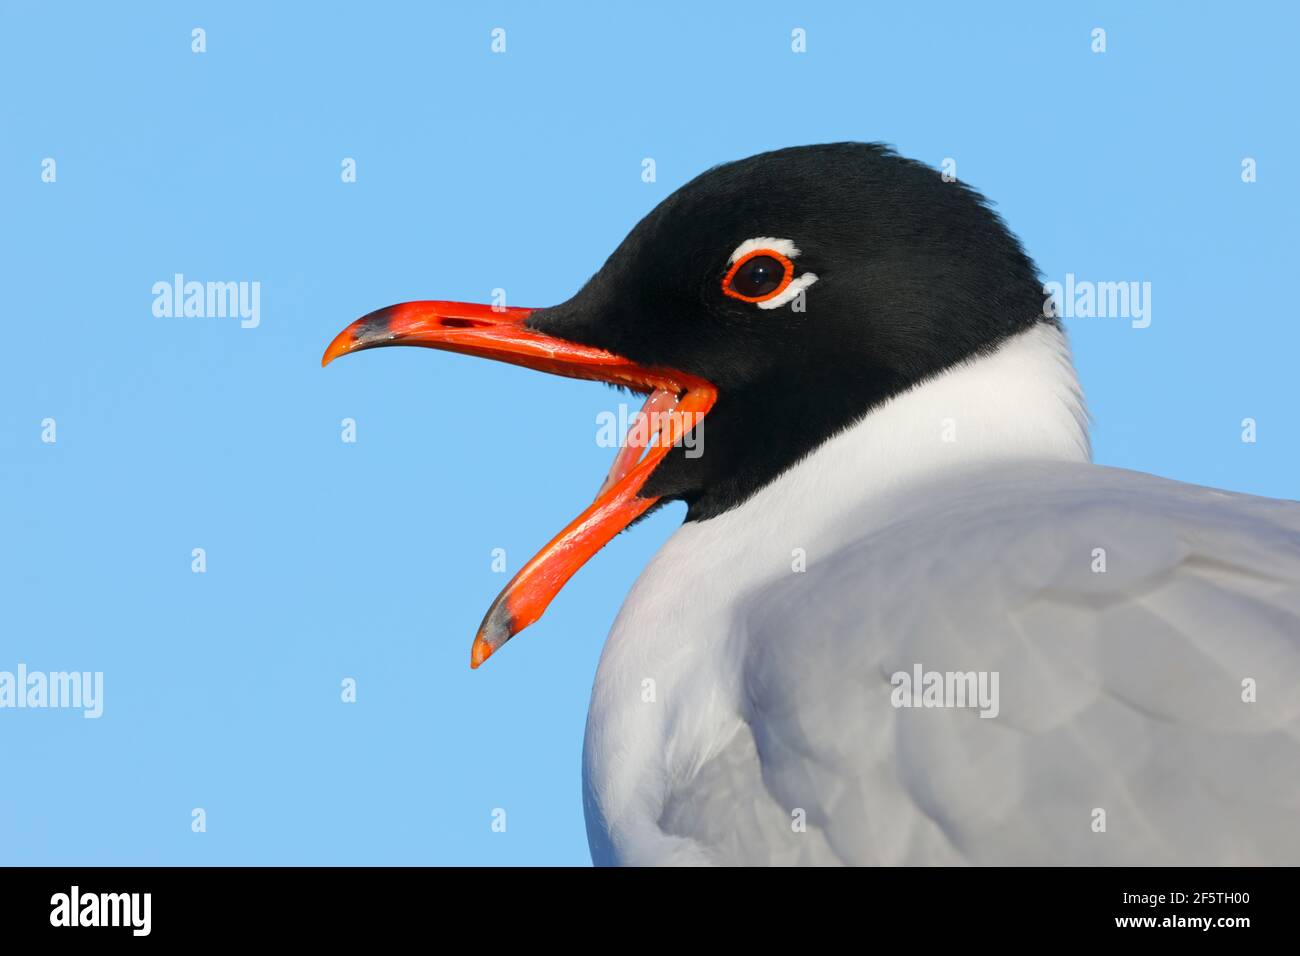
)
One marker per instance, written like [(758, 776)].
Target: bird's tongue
[(642, 432), (678, 402)]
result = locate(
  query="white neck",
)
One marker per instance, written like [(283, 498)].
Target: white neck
[(1020, 402)]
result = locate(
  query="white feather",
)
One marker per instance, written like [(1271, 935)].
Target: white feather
[(797, 285), (786, 247)]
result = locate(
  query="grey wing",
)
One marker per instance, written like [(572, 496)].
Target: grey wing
[(1145, 635)]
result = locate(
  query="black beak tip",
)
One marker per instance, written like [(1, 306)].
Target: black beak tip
[(366, 332)]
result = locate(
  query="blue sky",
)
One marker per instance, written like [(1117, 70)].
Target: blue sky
[(477, 171)]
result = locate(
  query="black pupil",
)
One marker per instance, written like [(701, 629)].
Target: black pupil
[(758, 276)]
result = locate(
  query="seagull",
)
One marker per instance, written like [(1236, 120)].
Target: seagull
[(906, 621)]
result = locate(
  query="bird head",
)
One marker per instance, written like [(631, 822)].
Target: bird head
[(762, 307)]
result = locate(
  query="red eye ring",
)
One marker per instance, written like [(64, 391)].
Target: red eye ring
[(786, 264)]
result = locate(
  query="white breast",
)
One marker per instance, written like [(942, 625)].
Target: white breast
[(665, 698)]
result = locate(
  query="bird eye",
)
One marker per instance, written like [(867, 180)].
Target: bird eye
[(758, 275)]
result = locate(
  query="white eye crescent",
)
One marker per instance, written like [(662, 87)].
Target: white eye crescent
[(766, 253)]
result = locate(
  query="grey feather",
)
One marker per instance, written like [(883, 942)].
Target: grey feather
[(1120, 690)]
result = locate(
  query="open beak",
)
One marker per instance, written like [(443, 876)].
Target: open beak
[(677, 402)]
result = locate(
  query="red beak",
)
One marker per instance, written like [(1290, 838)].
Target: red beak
[(677, 400)]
